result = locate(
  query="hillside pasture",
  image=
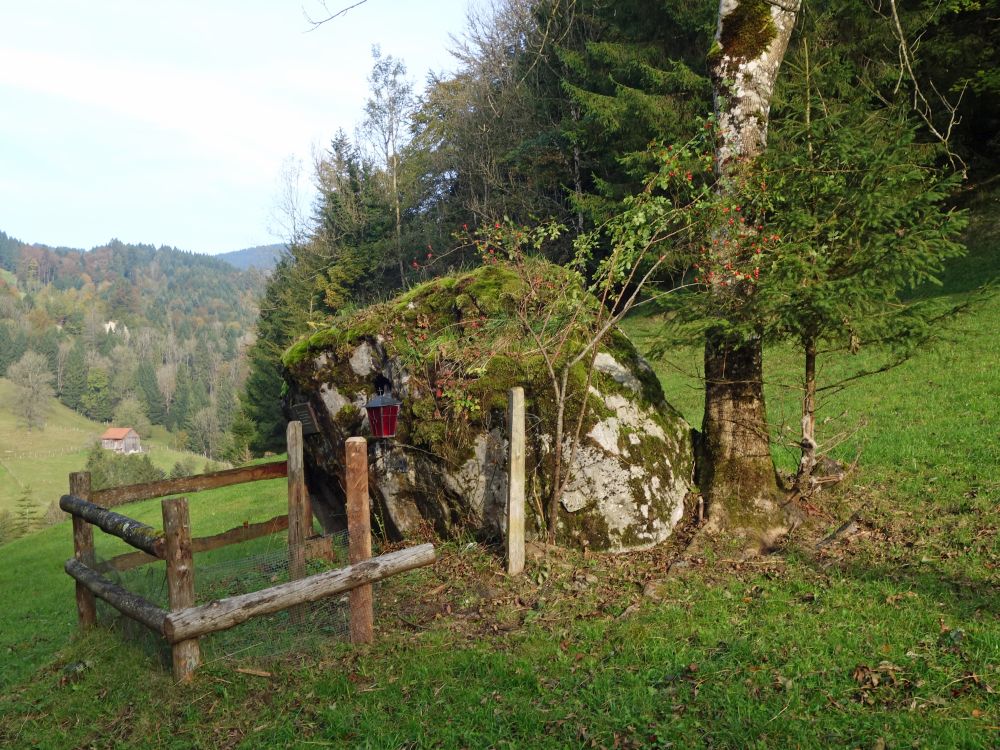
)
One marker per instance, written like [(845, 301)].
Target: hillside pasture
[(40, 461), (887, 636)]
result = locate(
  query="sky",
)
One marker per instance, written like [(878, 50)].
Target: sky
[(171, 123)]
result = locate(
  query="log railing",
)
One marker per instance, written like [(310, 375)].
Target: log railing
[(185, 622), (114, 496)]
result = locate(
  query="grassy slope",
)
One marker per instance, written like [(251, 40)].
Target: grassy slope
[(42, 461), (38, 613), (782, 652)]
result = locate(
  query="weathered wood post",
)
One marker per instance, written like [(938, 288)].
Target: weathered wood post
[(298, 501), (83, 550), (359, 536), (180, 580), (515, 482)]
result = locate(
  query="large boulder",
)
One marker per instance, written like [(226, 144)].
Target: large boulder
[(451, 350)]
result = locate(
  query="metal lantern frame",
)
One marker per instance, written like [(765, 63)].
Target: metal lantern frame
[(383, 415)]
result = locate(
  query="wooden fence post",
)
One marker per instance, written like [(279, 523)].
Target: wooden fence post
[(83, 550), (515, 482), (180, 580), (298, 501), (359, 536)]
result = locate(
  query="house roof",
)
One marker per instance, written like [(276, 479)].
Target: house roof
[(116, 433)]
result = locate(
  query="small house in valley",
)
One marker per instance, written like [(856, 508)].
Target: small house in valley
[(121, 440)]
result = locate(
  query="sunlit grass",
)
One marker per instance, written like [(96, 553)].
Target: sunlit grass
[(39, 461), (889, 640)]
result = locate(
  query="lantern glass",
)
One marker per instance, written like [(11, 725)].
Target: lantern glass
[(383, 413)]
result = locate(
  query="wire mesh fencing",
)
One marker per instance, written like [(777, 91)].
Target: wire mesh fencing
[(242, 569)]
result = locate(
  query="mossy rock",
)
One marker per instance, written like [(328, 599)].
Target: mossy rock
[(452, 349)]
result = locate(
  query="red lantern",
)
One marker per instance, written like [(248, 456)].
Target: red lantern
[(383, 412)]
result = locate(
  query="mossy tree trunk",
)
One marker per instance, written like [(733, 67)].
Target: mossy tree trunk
[(737, 473)]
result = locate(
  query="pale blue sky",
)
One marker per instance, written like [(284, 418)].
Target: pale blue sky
[(168, 122)]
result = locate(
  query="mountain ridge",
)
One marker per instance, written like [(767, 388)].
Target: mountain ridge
[(262, 257)]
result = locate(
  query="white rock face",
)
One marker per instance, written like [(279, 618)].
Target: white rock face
[(625, 491), (607, 364), (361, 361)]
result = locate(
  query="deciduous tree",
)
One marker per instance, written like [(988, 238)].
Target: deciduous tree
[(387, 114), (736, 469), (33, 391)]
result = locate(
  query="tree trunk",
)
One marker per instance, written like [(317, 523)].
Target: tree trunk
[(399, 221), (737, 473), (750, 43), (808, 460)]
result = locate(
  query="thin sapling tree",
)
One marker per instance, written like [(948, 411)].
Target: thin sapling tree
[(860, 207)]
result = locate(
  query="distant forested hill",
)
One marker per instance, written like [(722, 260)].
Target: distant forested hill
[(134, 334), (264, 257)]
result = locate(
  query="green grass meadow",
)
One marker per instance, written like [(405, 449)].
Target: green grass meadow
[(40, 461), (887, 638)]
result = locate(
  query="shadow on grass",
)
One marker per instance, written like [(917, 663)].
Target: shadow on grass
[(959, 597)]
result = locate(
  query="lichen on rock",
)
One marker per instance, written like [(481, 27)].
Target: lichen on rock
[(451, 349)]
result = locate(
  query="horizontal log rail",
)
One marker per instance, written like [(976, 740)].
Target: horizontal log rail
[(131, 560), (114, 496), (127, 603), (223, 614), (136, 533), (185, 621)]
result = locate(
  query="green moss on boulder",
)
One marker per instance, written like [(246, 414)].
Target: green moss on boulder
[(452, 348)]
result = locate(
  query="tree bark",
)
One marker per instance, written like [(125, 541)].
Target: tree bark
[(808, 460), (750, 42), (737, 473)]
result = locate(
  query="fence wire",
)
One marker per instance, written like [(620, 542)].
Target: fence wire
[(231, 571)]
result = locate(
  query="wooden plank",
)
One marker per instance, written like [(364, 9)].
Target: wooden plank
[(180, 581), (515, 482), (359, 537), (115, 496), (226, 613), (236, 535), (83, 551), (129, 604), (297, 501), (138, 534)]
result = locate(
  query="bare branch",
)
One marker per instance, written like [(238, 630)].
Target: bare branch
[(330, 15), (921, 105)]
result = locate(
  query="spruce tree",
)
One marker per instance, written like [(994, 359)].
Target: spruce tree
[(96, 399), (625, 74), (25, 514), (149, 393), (180, 408), (837, 277), (13, 345), (75, 379), (6, 349), (262, 399)]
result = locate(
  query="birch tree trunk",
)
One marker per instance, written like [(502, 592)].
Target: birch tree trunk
[(737, 473)]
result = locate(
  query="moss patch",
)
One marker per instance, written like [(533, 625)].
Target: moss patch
[(746, 33), (463, 343)]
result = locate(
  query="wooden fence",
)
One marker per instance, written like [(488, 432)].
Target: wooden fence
[(185, 622)]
